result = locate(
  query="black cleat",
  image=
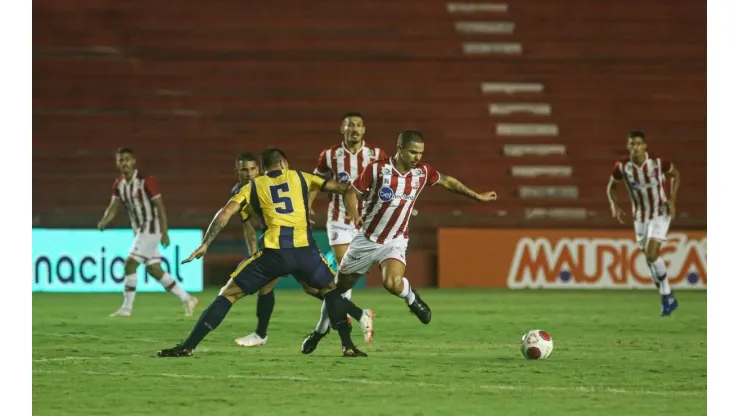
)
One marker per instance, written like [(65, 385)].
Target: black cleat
[(421, 309), (312, 341), (176, 351), (352, 352)]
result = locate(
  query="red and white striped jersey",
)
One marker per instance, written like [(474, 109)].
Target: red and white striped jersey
[(645, 185), (340, 164), (138, 196), (389, 198)]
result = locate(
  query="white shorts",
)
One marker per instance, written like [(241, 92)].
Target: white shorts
[(362, 254), (653, 229), (145, 248), (340, 233)]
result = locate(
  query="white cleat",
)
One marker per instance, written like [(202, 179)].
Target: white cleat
[(251, 340), (367, 324), (190, 305), (122, 312)]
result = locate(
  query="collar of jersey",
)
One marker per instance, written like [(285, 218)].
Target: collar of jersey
[(274, 173), (347, 150)]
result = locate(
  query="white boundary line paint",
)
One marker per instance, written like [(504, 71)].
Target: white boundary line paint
[(489, 387)]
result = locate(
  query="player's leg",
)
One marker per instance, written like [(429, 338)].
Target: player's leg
[(657, 229), (251, 275), (315, 270), (154, 268), (393, 270), (339, 251), (356, 262), (265, 306), (129, 286)]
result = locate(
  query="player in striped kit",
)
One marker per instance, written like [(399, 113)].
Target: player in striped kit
[(140, 195), (389, 188), (652, 209), (343, 162)]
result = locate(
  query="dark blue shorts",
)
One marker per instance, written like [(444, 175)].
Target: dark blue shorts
[(306, 264)]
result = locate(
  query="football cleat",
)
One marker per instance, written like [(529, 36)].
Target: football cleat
[(176, 351), (420, 309), (312, 341)]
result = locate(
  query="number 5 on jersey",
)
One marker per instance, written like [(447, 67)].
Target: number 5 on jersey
[(276, 192)]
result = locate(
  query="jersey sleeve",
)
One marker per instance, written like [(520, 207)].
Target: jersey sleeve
[(151, 187), (382, 154), (242, 197), (244, 214), (322, 167), (617, 172), (665, 165), (365, 180), (433, 175), (116, 192), (315, 182)]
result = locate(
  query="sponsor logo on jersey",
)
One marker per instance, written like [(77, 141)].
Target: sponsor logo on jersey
[(386, 194), (343, 177)]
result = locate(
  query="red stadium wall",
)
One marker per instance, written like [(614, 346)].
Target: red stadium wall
[(537, 110)]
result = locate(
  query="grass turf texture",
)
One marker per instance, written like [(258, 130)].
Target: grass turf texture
[(613, 355)]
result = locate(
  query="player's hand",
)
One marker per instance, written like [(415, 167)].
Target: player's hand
[(672, 208), (198, 253), (618, 213), (101, 225), (355, 218), (165, 240), (486, 196)]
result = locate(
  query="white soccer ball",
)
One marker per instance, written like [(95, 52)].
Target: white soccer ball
[(536, 345)]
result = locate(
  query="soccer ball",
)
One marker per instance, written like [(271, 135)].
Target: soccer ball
[(536, 345)]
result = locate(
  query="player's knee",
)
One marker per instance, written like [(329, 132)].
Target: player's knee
[(232, 292), (265, 291), (155, 270), (651, 256), (130, 266)]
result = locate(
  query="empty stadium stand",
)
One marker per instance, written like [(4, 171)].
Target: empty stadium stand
[(531, 98)]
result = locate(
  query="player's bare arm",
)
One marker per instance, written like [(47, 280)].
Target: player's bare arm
[(162, 221), (350, 205), (311, 197), (611, 193), (250, 237), (453, 184), (218, 224), (109, 214), (675, 176)]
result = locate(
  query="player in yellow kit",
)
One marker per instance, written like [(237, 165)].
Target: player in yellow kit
[(280, 199)]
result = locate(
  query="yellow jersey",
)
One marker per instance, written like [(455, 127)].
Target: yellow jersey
[(280, 199)]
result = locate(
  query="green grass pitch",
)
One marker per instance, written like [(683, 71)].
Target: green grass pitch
[(613, 355)]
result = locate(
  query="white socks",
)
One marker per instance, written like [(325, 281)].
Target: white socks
[(169, 283), (129, 283), (659, 272), (406, 293), (323, 324)]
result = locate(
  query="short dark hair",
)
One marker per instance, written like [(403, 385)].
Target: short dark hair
[(271, 157), (353, 114), (637, 133), (124, 150), (408, 136), (245, 157)]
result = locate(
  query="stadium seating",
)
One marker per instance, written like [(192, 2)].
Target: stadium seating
[(538, 110)]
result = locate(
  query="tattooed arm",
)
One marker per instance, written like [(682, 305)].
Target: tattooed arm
[(453, 184), (218, 224)]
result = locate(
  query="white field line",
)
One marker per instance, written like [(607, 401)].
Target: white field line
[(488, 387)]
